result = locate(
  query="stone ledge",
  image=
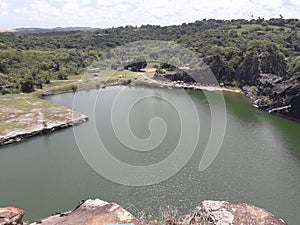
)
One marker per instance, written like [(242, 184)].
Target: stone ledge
[(98, 212)]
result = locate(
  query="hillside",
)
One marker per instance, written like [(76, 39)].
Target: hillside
[(237, 51)]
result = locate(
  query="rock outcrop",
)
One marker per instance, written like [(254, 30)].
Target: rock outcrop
[(19, 135), (98, 212), (224, 213), (286, 100), (92, 212), (276, 95), (11, 216), (173, 75)]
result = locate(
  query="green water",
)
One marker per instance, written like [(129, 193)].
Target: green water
[(258, 163)]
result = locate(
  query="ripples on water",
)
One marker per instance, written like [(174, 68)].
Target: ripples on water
[(259, 162)]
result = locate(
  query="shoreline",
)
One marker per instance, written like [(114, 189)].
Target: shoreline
[(17, 136), (169, 85)]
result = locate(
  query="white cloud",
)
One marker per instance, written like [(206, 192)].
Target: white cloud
[(81, 2), (108, 13), (101, 3), (85, 2), (70, 8), (3, 8)]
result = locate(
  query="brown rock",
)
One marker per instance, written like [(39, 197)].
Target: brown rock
[(11, 216), (92, 212)]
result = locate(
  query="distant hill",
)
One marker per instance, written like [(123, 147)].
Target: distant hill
[(4, 30), (49, 30)]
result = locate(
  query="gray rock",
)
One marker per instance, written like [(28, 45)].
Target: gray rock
[(47, 93), (224, 213), (276, 95)]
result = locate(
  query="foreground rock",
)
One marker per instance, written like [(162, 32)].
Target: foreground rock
[(224, 213), (98, 212), (11, 216), (92, 212)]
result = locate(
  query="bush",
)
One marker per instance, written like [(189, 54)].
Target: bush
[(74, 88)]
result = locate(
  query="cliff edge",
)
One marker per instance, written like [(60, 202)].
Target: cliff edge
[(98, 212)]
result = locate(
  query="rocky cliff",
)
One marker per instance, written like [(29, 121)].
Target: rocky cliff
[(276, 95), (267, 80), (98, 212)]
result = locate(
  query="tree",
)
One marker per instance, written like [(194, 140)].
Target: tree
[(27, 84), (294, 66)]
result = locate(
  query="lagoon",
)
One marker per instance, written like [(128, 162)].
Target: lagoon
[(258, 162)]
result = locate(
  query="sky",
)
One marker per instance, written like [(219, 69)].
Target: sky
[(109, 13)]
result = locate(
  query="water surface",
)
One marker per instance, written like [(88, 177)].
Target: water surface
[(259, 160)]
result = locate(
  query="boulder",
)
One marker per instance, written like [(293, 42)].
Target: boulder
[(225, 213), (11, 216), (92, 212), (47, 93)]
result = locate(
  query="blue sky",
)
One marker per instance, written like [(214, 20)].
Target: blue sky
[(108, 13)]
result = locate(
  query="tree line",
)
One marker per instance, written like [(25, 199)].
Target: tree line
[(237, 51)]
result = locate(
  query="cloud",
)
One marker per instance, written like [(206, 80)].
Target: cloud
[(3, 8), (81, 2), (108, 13), (86, 2)]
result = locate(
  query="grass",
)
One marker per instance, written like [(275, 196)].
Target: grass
[(23, 112)]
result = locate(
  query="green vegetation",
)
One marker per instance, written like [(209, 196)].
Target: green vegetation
[(236, 50)]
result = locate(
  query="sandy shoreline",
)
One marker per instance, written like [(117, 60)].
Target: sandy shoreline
[(170, 85)]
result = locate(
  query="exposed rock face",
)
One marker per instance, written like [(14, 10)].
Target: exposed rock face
[(92, 212), (173, 75), (224, 213), (276, 95), (261, 57), (98, 212), (11, 216), (287, 94)]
